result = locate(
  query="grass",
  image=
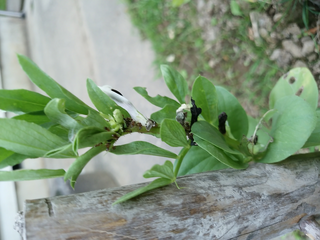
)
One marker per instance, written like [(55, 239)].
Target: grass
[(3, 4), (177, 40)]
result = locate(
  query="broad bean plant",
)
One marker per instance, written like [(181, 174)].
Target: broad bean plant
[(208, 124)]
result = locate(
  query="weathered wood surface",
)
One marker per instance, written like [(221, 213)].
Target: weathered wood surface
[(262, 202)]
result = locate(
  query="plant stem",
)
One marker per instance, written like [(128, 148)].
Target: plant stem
[(180, 158)]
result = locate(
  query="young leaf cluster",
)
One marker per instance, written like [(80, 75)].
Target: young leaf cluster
[(208, 124)]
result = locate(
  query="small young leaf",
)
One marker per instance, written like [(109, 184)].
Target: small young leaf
[(140, 147), (314, 139), (219, 154), (24, 175), (205, 96), (162, 171), (172, 133), (168, 112), (158, 100), (80, 162), (159, 182), (175, 82), (298, 81), (9, 158), (102, 101), (292, 125), (237, 117), (90, 136), (51, 87), (198, 160), (27, 138), (36, 117), (235, 8), (209, 133), (95, 119), (55, 110), (22, 101)]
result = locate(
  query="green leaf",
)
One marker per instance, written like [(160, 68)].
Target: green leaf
[(263, 132), (61, 132), (9, 158), (160, 182), (168, 112), (235, 8), (205, 96), (162, 171), (198, 160), (24, 175), (65, 151), (291, 127), (219, 154), (36, 117), (237, 117), (175, 82), (51, 87), (21, 100), (297, 81), (27, 138), (80, 162), (314, 139), (158, 100), (305, 14), (209, 133), (172, 133), (90, 136), (102, 101), (55, 110), (95, 119), (140, 147)]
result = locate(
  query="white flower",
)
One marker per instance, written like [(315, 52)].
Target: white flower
[(127, 105)]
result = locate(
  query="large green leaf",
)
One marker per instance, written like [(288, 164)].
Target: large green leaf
[(102, 101), (162, 171), (314, 139), (160, 182), (158, 100), (21, 100), (209, 133), (27, 138), (80, 162), (51, 87), (168, 112), (175, 82), (140, 147), (205, 96), (219, 154), (172, 133), (36, 117), (198, 160), (298, 81), (55, 110), (237, 117), (292, 125), (9, 158), (24, 175)]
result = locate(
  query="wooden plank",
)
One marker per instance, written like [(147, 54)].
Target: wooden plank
[(262, 202)]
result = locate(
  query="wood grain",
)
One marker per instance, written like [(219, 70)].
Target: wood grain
[(262, 202)]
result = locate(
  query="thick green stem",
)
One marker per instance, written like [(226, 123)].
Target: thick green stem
[(180, 158)]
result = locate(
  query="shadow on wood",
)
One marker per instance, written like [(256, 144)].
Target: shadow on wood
[(262, 202)]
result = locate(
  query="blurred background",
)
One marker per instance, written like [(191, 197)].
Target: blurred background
[(243, 45)]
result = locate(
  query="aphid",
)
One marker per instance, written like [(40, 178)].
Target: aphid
[(255, 139), (115, 136), (222, 122), (108, 146), (97, 145), (107, 129), (139, 125)]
